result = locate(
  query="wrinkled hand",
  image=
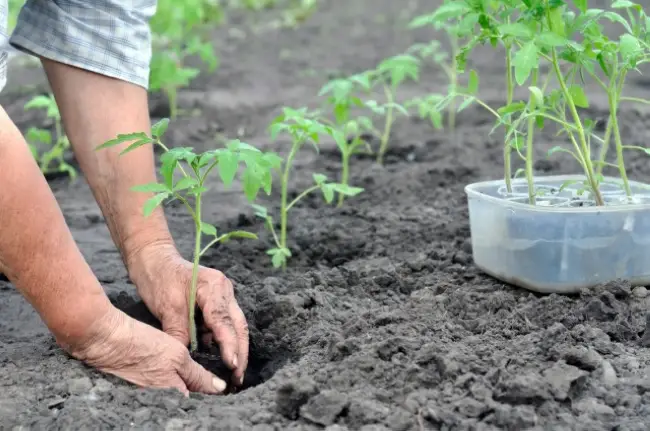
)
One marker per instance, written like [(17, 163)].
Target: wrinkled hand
[(163, 280), (143, 355)]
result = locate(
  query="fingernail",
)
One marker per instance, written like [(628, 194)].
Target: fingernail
[(235, 362), (219, 385), (241, 380)]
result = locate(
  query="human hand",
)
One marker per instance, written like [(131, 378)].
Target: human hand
[(163, 280), (140, 354)]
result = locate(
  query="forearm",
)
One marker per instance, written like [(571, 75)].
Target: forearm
[(95, 109), (37, 252)]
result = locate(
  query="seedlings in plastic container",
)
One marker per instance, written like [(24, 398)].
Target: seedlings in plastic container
[(303, 128), (573, 45), (194, 169)]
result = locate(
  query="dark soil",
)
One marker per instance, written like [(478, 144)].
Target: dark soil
[(381, 322)]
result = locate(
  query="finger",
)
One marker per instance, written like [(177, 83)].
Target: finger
[(224, 333), (241, 328), (216, 314), (177, 383), (198, 379)]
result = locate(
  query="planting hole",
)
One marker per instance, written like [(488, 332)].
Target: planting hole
[(263, 360)]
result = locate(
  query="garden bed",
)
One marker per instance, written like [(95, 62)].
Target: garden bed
[(381, 322)]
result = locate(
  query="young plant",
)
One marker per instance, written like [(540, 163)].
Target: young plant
[(456, 29), (348, 132), (390, 74), (574, 46), (303, 128), (53, 145), (194, 169), (180, 30)]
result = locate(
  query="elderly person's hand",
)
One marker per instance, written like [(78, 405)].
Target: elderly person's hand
[(143, 355), (163, 279)]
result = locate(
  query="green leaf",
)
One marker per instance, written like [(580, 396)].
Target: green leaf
[(252, 184), (278, 259), (152, 203), (260, 211), (551, 40), (448, 11), (38, 102), (43, 136), (623, 4), (556, 21), (319, 178), (615, 17), (279, 256), (512, 108), (346, 190), (629, 47), (151, 188), (567, 183), (122, 139), (525, 60), (537, 97), (159, 129), (468, 101), (578, 96), (557, 149), (136, 145), (167, 169), (238, 234), (516, 29), (581, 5), (328, 192), (473, 84), (185, 183), (208, 229), (518, 143), (228, 164)]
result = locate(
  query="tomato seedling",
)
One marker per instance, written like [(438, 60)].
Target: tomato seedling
[(574, 46), (390, 74), (56, 143), (194, 171), (302, 127), (180, 30), (458, 29), (347, 131)]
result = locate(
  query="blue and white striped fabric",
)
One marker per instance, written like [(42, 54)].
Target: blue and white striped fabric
[(109, 37)]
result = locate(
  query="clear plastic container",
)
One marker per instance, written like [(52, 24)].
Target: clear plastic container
[(565, 242)]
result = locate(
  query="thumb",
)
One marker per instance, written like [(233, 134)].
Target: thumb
[(198, 379)]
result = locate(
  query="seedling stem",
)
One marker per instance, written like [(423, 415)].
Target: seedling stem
[(387, 127), (257, 175)]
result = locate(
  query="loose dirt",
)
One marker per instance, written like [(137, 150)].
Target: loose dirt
[(381, 322)]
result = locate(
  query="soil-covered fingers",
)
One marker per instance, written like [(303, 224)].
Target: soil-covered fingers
[(215, 299), (198, 379), (241, 328)]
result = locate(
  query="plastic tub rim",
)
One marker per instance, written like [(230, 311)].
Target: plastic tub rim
[(472, 193)]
